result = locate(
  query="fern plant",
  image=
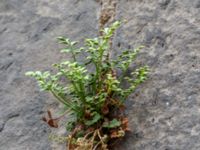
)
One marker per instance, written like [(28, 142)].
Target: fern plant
[(94, 97)]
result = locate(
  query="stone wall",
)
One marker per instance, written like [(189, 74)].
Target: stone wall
[(164, 112)]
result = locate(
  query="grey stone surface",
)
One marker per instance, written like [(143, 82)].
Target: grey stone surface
[(28, 31), (164, 112)]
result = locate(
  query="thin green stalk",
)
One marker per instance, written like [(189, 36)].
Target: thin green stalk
[(74, 57), (99, 67), (78, 92), (82, 89), (96, 77), (73, 54), (60, 99)]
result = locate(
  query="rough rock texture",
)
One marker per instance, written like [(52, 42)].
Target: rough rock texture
[(165, 115), (28, 31), (164, 112)]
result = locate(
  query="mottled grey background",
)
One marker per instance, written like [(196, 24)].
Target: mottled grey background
[(164, 112)]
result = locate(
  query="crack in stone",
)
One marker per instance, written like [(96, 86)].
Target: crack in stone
[(11, 116), (107, 13), (6, 66)]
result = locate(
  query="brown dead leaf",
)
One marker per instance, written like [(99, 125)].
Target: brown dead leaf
[(124, 124), (117, 133), (114, 134), (50, 121), (105, 109)]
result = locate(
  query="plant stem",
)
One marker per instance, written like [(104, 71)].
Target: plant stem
[(80, 94), (60, 99), (73, 54)]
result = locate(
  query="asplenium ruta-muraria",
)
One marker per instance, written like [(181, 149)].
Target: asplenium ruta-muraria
[(91, 89)]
